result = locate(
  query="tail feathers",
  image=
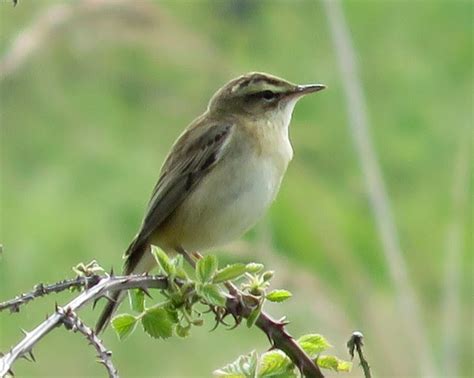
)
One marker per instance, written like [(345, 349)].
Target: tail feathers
[(109, 311), (133, 256)]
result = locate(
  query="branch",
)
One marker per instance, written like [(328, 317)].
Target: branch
[(275, 330), (277, 335), (41, 290), (356, 342), (72, 322), (98, 287), (108, 283)]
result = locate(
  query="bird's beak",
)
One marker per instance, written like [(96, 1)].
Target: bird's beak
[(302, 90), (310, 88)]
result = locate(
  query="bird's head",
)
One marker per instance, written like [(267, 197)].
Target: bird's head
[(260, 96)]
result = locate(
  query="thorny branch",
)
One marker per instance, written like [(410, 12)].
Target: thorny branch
[(356, 342), (25, 346), (71, 321), (97, 287), (42, 290)]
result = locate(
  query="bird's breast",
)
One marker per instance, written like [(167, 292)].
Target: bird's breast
[(230, 199)]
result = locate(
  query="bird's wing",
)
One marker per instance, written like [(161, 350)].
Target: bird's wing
[(192, 157)]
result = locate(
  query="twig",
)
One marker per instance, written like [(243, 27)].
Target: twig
[(24, 347), (455, 235), (281, 339), (356, 342), (276, 333), (71, 321), (42, 290), (275, 330), (376, 190), (278, 337)]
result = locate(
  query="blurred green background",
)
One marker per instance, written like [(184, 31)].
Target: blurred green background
[(94, 92)]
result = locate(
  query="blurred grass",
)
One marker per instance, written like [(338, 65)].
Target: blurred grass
[(87, 121)]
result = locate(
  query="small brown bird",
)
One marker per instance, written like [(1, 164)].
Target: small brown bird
[(221, 174)]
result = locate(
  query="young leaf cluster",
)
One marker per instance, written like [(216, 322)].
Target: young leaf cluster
[(276, 364), (181, 308), (178, 312)]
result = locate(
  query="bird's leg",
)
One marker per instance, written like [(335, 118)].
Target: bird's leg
[(188, 257), (196, 255), (236, 302)]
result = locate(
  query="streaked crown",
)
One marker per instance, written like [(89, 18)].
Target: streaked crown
[(256, 92)]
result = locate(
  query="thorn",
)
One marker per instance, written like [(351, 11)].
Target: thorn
[(111, 274), (147, 293), (95, 302), (109, 298), (270, 340), (10, 372), (26, 358), (23, 332), (15, 308), (238, 320)]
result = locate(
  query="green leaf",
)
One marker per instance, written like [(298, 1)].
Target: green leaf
[(334, 363), (172, 314), (230, 272), (157, 323), (182, 331), (243, 367), (164, 262), (212, 294), (253, 267), (278, 295), (252, 318), (313, 344), (124, 325), (178, 262), (137, 300), (275, 363), (268, 275), (206, 268)]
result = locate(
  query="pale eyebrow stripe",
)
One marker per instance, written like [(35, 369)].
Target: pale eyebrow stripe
[(261, 85)]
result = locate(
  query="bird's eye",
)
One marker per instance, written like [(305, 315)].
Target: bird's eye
[(267, 95)]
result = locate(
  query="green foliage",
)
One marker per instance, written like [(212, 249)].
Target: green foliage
[(334, 363), (244, 366), (87, 270), (254, 267), (206, 268), (230, 272), (178, 313), (124, 325), (254, 315), (157, 323), (164, 262), (313, 344), (278, 295), (276, 364), (211, 294), (137, 300)]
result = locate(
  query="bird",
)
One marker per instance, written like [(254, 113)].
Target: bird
[(221, 174)]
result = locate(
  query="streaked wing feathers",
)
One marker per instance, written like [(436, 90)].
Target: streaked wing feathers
[(194, 154)]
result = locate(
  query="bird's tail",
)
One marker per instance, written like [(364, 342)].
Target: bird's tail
[(116, 297)]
